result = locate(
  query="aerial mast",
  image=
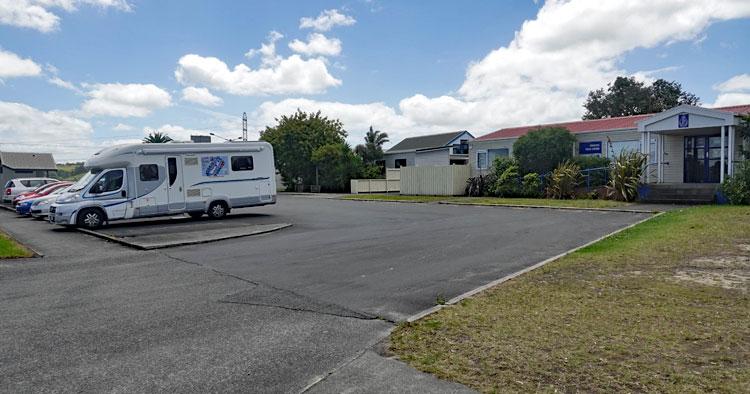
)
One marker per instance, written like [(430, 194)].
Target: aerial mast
[(244, 126)]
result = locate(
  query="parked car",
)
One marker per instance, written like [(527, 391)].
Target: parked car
[(16, 186), (40, 206), (23, 205), (40, 191)]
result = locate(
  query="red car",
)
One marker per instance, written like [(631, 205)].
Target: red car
[(41, 191)]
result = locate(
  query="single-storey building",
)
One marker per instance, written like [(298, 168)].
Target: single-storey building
[(25, 165), (684, 144), (430, 150)]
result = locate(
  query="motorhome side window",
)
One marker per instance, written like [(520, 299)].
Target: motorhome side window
[(172, 168), (242, 163), (109, 182), (149, 172)]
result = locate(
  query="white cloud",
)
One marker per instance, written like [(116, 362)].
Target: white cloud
[(123, 127), (542, 75), (39, 15), (11, 66), (327, 20), (25, 128), (201, 96), (125, 100), (317, 44), (733, 91), (59, 82), (276, 75)]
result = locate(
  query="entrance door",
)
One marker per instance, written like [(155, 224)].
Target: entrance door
[(175, 192), (703, 159)]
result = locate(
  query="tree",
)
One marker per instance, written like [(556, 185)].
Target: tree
[(296, 137), (156, 137), (743, 132), (337, 164), (626, 96), (542, 150), (372, 150)]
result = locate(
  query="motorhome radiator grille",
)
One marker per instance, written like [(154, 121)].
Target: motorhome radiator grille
[(191, 161), (194, 192)]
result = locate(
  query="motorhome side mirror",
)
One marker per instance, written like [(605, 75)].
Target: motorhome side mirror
[(96, 189), (124, 193)]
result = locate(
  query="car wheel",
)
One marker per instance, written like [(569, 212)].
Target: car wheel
[(90, 218), (218, 210), (195, 215)]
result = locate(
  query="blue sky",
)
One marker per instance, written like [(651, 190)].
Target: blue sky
[(81, 74)]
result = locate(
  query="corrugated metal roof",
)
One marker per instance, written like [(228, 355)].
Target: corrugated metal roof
[(584, 126), (425, 141), (28, 161)]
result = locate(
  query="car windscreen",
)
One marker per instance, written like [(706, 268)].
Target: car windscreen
[(84, 181)]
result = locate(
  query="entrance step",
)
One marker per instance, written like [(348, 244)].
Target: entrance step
[(685, 193)]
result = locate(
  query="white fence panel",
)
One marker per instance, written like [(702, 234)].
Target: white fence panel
[(375, 185), (434, 180)]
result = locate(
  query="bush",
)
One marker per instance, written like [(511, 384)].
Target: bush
[(595, 178), (737, 187), (564, 180), (506, 172), (625, 175), (531, 185), (544, 149), (479, 186)]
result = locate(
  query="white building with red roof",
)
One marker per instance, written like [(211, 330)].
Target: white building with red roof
[(684, 143)]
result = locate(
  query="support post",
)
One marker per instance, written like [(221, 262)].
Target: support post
[(722, 156), (648, 157), (732, 144)]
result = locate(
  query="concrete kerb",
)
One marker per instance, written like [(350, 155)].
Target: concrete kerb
[(506, 278), (553, 207), (122, 241), (35, 253)]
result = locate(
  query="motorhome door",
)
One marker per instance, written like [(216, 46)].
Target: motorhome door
[(176, 193)]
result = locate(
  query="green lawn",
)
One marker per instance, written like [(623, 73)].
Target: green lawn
[(662, 307), (493, 200), (11, 249)]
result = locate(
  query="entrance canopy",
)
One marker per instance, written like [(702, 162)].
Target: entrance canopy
[(685, 118)]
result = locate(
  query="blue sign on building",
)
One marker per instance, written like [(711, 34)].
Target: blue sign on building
[(590, 148), (683, 121)]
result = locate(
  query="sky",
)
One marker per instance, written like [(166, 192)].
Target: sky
[(80, 75)]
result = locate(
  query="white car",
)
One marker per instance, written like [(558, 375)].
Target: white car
[(17, 186), (40, 206)]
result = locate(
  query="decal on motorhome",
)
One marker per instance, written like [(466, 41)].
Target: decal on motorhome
[(214, 165)]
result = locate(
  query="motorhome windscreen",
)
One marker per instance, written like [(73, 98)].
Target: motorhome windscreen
[(85, 180)]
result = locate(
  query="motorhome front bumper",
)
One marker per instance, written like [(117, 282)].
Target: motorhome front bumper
[(59, 214)]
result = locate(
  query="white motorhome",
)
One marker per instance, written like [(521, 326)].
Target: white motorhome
[(144, 180)]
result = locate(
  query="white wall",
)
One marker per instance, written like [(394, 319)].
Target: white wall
[(434, 180)]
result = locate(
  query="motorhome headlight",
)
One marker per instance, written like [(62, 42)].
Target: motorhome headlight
[(69, 198)]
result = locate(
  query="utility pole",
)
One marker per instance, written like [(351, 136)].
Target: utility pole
[(244, 126)]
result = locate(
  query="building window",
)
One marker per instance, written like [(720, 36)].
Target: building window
[(493, 153), (462, 148), (149, 172), (617, 147), (400, 163), (242, 163), (482, 160)]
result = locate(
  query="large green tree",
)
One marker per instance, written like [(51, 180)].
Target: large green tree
[(336, 164), (542, 150), (294, 139), (372, 149), (627, 96)]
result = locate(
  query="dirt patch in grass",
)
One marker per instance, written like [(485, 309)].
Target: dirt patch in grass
[(616, 316)]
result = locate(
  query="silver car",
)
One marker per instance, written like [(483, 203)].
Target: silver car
[(17, 186), (40, 206)]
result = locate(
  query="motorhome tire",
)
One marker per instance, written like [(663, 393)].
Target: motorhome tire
[(218, 209), (90, 218), (196, 214)]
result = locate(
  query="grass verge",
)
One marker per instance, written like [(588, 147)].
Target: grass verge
[(661, 307), (10, 249), (493, 201)]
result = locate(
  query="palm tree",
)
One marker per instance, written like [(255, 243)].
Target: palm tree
[(372, 149), (156, 137)]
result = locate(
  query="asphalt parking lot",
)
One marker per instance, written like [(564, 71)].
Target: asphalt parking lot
[(300, 308)]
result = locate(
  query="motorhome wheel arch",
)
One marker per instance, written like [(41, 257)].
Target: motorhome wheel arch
[(145, 180)]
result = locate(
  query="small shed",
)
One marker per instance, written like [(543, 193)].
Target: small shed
[(26, 165)]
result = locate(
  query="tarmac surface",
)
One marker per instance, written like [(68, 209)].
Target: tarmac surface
[(302, 308)]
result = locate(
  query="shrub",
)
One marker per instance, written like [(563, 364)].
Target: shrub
[(506, 173), (544, 149), (531, 185), (564, 180), (737, 187), (478, 186), (595, 178), (625, 175)]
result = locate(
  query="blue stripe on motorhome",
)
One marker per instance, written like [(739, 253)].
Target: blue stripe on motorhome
[(231, 180)]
